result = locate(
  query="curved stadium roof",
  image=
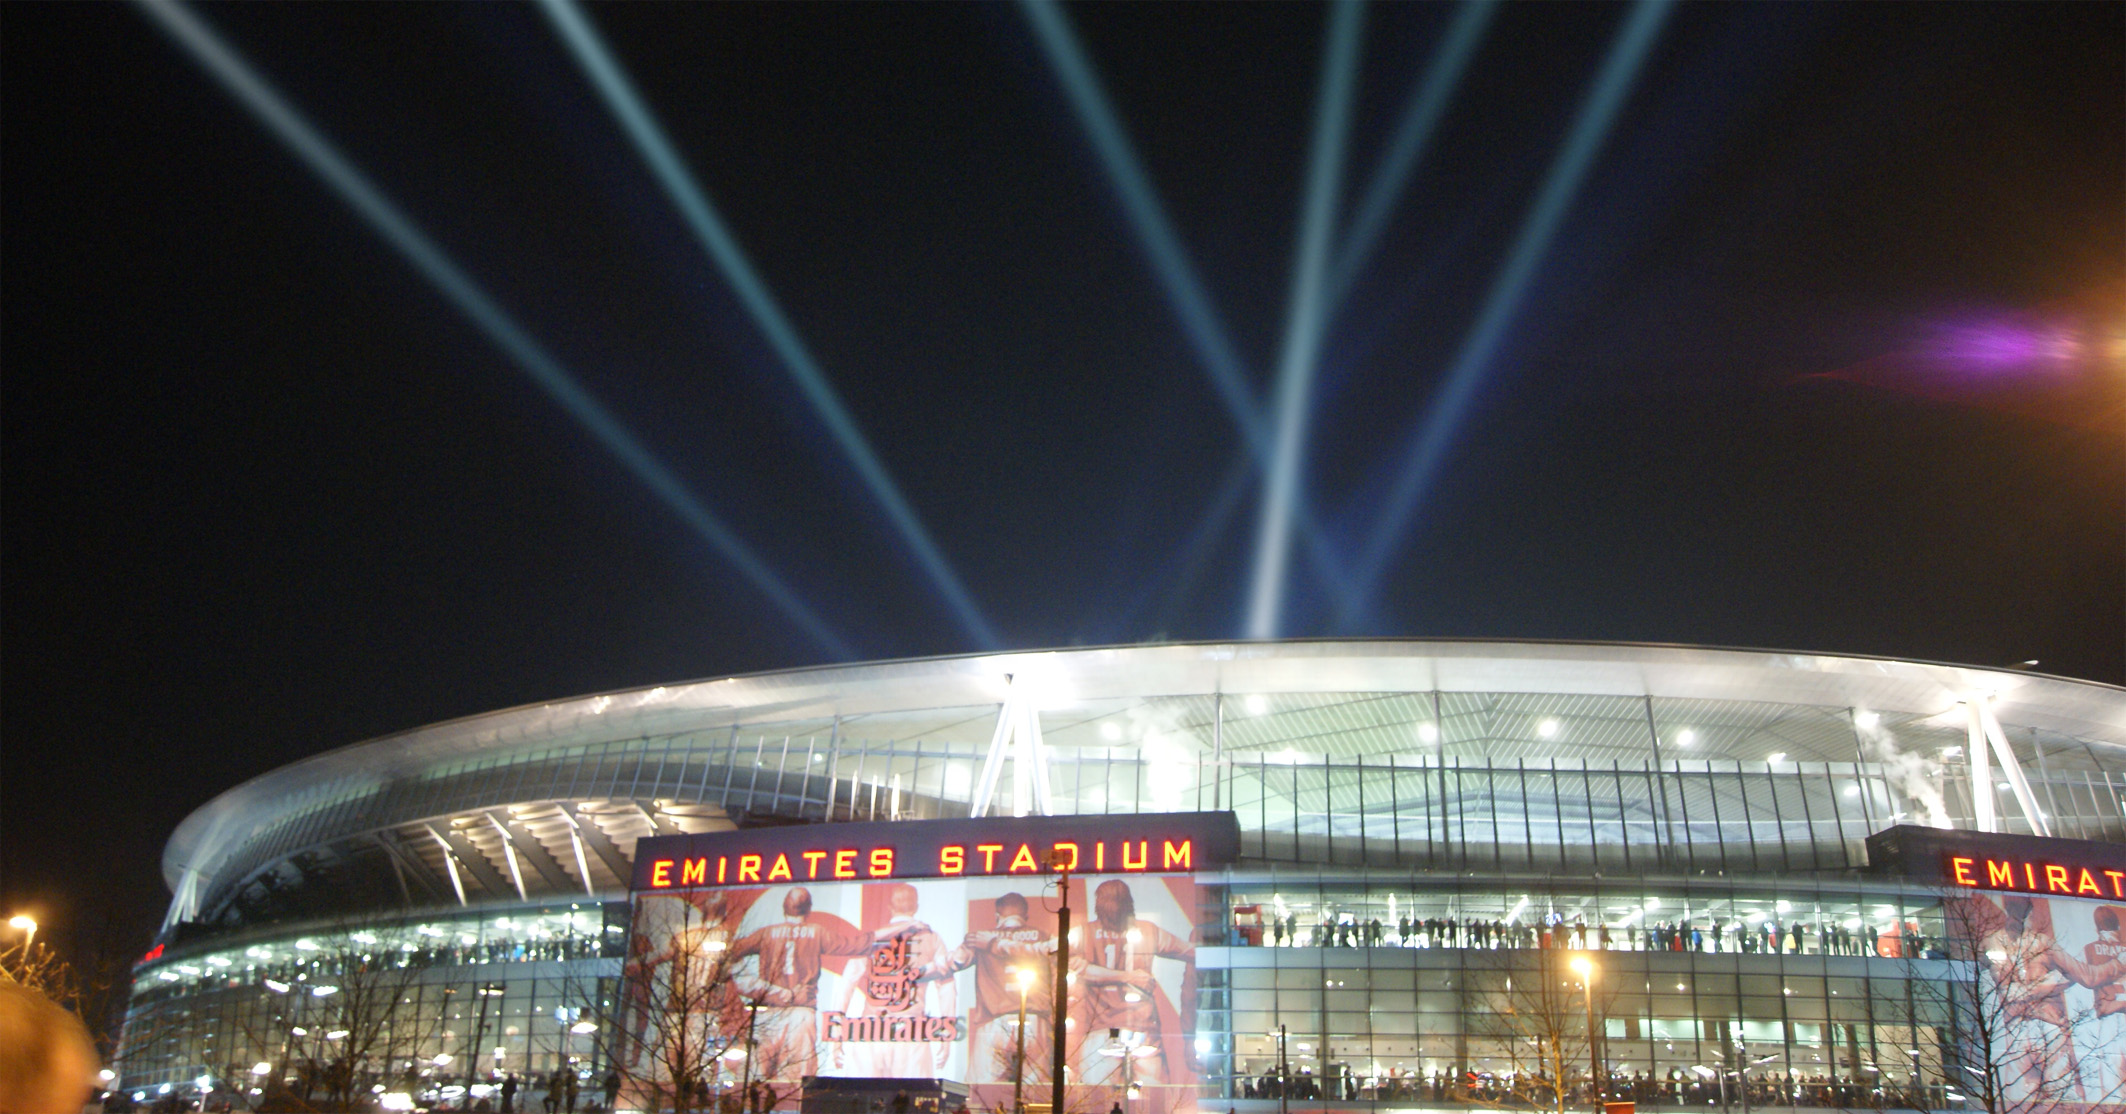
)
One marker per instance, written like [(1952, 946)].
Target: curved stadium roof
[(1330, 697)]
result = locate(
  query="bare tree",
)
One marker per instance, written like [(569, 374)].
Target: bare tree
[(340, 1022), (1536, 1006), (675, 1029)]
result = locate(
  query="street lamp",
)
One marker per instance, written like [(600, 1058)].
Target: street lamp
[(1584, 967), (28, 926)]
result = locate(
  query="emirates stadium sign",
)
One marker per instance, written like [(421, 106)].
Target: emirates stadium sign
[(1167, 843)]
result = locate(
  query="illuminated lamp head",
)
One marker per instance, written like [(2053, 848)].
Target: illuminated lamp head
[(797, 903), (1012, 905), (2107, 919), (1114, 904), (2018, 909), (901, 899)]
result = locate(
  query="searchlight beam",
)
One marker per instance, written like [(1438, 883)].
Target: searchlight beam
[(294, 131), (635, 117), (1430, 442)]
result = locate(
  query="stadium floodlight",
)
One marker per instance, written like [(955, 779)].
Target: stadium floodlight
[(1306, 319), (642, 128), (307, 143), (1427, 446)]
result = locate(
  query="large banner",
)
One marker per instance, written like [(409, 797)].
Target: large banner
[(924, 977), (2050, 998)]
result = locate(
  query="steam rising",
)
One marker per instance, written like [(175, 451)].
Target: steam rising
[(1918, 777)]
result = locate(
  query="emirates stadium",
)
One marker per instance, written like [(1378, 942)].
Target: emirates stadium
[(1334, 874)]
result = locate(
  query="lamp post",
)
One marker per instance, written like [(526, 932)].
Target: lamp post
[(1284, 1075), (745, 1090), (1584, 967), (28, 925), (1059, 991), (1024, 977)]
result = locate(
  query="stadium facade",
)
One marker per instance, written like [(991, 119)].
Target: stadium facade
[(1416, 826)]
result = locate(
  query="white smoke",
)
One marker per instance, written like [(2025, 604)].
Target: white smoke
[(1917, 776)]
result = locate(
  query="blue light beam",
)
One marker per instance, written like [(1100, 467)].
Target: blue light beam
[(641, 125), (1431, 441), (1200, 323), (1306, 318), (1413, 133), (1170, 262), (310, 145)]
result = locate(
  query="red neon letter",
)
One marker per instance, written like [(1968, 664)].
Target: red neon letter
[(661, 873), (845, 864), (693, 872), (2029, 876), (1960, 868), (882, 862), (781, 869), (1025, 856), (2116, 876), (1178, 856), (952, 860), (1073, 848), (2056, 880), (1144, 855), (2088, 884), (812, 859), (2000, 875), (721, 862), (989, 856), (749, 868)]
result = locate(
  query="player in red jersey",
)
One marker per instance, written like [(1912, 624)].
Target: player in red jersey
[(996, 954), (785, 981), (1119, 992)]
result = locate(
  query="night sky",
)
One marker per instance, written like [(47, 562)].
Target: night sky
[(1828, 353)]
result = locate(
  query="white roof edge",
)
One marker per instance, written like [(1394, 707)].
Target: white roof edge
[(2084, 709)]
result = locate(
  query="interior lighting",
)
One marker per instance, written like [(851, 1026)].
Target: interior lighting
[(1111, 731), (1428, 733), (1547, 728), (106, 1075), (1867, 719), (1783, 906), (306, 945), (1256, 704), (1686, 737), (262, 1068), (324, 991), (1775, 757), (582, 1027)]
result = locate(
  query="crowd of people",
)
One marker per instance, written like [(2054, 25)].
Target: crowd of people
[(1676, 1087), (1766, 935)]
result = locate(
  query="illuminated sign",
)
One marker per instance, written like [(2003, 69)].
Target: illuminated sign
[(1992, 861), (1988, 873), (1167, 843)]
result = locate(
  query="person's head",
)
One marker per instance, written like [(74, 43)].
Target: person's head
[(1113, 904), (901, 899), (46, 1059), (1011, 905), (712, 903), (2107, 919), (2018, 909), (797, 903)]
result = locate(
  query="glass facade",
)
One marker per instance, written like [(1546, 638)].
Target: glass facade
[(1406, 854)]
